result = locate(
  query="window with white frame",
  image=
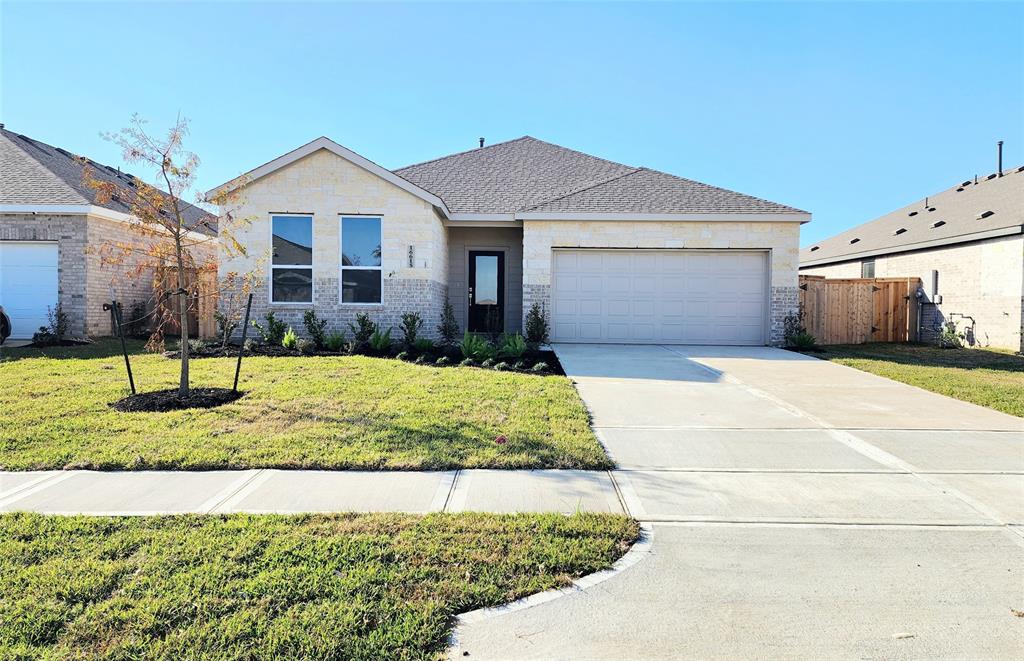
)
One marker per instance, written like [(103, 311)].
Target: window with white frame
[(291, 264), (361, 273)]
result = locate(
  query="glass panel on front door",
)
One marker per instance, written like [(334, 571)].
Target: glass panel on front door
[(486, 291)]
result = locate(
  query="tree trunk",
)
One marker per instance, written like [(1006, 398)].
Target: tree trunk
[(183, 321)]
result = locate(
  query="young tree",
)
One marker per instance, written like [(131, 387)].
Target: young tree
[(171, 233)]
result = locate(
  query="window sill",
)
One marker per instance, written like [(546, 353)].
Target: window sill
[(283, 304), (361, 305)]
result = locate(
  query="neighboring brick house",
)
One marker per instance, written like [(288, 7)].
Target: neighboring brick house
[(51, 232), (611, 252), (964, 243)]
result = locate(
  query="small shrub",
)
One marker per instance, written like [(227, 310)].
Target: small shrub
[(448, 328), (520, 365), (196, 345), (273, 332), (467, 362), (381, 342), (226, 326), (138, 317), (250, 344), (443, 361), (540, 367), (335, 341), (290, 339), (423, 345), (537, 328), (316, 328), (363, 329), (802, 341), (950, 337), (501, 367), (403, 355), (489, 362), (410, 328), (57, 321), (305, 346), (476, 347), (512, 346), (420, 360)]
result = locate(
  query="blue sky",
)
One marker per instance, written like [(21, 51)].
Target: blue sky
[(845, 110)]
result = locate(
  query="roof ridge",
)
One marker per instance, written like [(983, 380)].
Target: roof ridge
[(583, 153), (465, 151), (582, 189)]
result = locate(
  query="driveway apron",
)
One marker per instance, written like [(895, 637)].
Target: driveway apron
[(800, 510)]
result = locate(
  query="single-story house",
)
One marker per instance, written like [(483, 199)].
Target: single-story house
[(611, 252), (965, 243), (51, 234)]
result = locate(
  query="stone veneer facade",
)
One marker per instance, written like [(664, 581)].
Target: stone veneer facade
[(982, 279), (84, 283), (327, 186), (780, 239)]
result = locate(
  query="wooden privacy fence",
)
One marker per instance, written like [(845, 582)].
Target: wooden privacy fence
[(202, 287), (858, 310)]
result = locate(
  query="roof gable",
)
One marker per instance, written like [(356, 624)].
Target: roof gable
[(337, 149), (955, 215)]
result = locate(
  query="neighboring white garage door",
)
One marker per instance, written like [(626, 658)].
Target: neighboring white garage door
[(28, 284), (659, 296)]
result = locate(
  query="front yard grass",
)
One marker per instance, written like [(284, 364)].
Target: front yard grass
[(350, 586), (350, 412), (981, 376)]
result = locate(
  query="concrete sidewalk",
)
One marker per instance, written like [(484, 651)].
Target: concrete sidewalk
[(294, 491)]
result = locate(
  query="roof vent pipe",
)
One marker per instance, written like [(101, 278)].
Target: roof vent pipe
[(1000, 143), (482, 142)]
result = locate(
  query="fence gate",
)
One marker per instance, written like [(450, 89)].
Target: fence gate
[(858, 310)]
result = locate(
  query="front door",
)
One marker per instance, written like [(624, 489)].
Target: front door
[(486, 291)]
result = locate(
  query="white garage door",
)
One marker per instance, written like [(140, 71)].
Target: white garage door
[(28, 284), (659, 296)]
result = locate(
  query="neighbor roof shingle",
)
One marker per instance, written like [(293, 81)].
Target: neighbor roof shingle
[(950, 216), (33, 172), (530, 175)]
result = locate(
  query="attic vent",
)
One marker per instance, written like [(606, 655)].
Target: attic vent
[(966, 183), (813, 248), (959, 189), (931, 208), (991, 176), (912, 213), (899, 231), (985, 214), (938, 223), (1020, 169), (63, 151), (852, 241)]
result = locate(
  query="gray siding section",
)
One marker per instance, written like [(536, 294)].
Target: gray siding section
[(463, 239)]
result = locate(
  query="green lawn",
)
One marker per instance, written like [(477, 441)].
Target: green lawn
[(367, 586), (990, 378), (309, 412)]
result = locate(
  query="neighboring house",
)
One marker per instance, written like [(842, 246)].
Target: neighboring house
[(964, 243), (611, 252), (51, 232)]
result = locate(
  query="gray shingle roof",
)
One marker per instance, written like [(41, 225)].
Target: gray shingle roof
[(531, 175), (950, 216), (33, 172), (649, 191)]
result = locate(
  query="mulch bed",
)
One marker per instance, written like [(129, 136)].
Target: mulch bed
[(168, 400), (453, 354)]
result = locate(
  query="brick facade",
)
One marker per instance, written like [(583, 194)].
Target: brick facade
[(983, 280), (69, 232), (84, 283), (327, 186)]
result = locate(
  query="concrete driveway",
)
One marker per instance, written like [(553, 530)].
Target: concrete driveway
[(800, 510)]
